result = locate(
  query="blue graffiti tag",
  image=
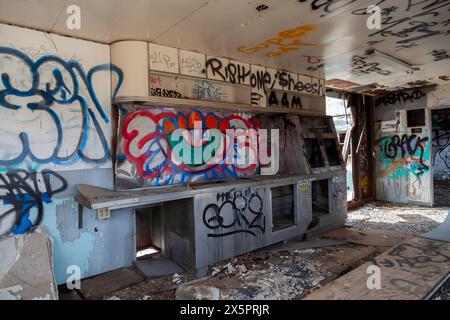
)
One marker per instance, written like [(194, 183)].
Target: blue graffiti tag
[(63, 91), (21, 191)]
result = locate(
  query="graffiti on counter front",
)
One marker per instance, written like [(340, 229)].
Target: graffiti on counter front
[(402, 97), (285, 41), (403, 155), (51, 110), (235, 211), (207, 90), (20, 192)]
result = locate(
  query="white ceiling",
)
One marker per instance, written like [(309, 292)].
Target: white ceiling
[(220, 27)]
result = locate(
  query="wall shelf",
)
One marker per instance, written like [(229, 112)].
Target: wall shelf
[(189, 104)]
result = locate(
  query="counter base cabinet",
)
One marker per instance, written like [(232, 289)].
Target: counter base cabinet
[(231, 223), (214, 226)]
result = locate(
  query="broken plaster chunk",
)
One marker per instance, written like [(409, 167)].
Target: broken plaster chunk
[(242, 268), (215, 271), (31, 266), (229, 268), (176, 278), (197, 292)]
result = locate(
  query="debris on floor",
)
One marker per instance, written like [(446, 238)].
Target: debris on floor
[(176, 278), (295, 269), (276, 275), (410, 219), (197, 290), (161, 288), (26, 267)]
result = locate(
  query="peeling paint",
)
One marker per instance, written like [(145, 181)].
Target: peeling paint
[(66, 253)]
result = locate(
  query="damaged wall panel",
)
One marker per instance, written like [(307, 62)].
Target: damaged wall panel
[(26, 267), (403, 148)]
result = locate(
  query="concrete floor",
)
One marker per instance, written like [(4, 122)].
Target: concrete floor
[(410, 219)]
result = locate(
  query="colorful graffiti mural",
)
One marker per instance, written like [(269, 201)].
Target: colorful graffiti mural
[(149, 143), (399, 156), (50, 110)]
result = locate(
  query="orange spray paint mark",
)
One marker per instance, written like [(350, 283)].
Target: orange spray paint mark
[(286, 41)]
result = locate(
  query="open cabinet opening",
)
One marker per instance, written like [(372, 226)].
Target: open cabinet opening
[(282, 207), (320, 198), (149, 233)]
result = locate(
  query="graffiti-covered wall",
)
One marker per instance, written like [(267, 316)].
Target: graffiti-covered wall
[(441, 144), (403, 147), (55, 132)]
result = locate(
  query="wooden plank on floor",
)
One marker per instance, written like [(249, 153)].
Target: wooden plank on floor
[(411, 270), (369, 237), (106, 283), (350, 258)]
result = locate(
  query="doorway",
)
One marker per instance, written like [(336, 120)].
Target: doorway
[(440, 122), (343, 123)]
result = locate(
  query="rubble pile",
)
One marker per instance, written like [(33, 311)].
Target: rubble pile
[(279, 276)]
